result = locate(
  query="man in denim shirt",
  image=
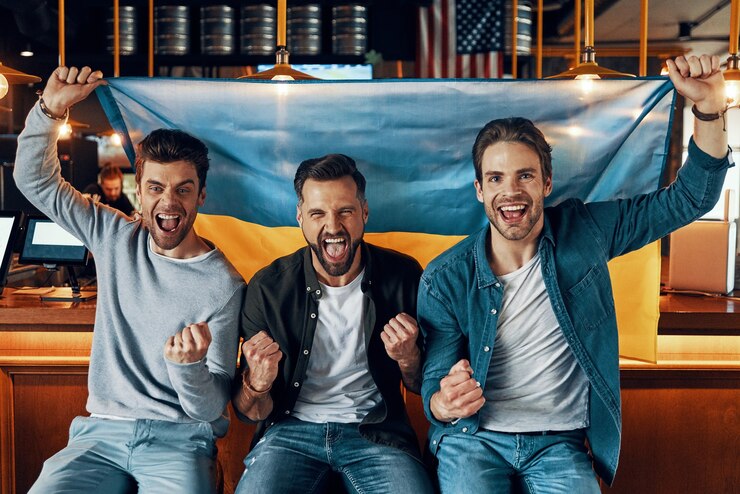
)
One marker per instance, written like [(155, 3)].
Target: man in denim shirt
[(520, 332)]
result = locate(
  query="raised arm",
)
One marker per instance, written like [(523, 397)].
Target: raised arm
[(700, 80), (37, 170)]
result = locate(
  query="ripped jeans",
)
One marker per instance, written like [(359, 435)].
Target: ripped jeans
[(297, 457)]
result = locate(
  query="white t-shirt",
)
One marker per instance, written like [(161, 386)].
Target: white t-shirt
[(534, 382), (338, 385)]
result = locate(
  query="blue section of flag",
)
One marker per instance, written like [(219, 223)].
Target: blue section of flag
[(412, 139), (480, 26)]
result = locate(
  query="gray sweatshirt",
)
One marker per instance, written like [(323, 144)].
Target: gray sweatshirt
[(143, 299)]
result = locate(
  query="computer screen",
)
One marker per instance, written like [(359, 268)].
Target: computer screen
[(331, 71), (47, 243), (9, 227)]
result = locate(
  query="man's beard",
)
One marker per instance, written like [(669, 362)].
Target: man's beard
[(336, 269)]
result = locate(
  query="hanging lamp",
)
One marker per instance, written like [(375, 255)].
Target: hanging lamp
[(588, 68)]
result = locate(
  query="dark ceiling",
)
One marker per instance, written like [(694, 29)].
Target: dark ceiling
[(689, 24), (675, 26)]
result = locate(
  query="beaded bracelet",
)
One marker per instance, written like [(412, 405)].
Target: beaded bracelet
[(45, 110)]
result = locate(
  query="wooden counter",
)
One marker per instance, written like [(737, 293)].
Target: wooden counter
[(681, 418), (699, 315)]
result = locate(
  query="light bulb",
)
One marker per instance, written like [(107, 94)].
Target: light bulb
[(3, 86), (732, 91), (283, 78), (587, 82), (65, 131), (115, 139)]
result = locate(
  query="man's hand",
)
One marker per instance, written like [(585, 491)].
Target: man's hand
[(399, 338), (699, 79), (95, 197), (263, 355), (459, 396), (69, 85), (189, 345)]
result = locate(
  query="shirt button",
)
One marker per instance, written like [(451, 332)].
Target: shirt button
[(318, 292), (465, 429), (494, 311), (497, 285), (296, 384), (486, 348), (434, 442), (305, 352), (313, 315), (308, 288), (287, 412)]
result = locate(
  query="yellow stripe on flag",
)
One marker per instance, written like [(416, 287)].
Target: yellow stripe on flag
[(636, 285), (635, 276)]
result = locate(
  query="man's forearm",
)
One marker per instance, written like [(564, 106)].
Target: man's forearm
[(254, 404), (411, 372), (711, 136)]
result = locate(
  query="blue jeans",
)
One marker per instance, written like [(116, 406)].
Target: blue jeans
[(113, 456), (297, 457), (541, 463)]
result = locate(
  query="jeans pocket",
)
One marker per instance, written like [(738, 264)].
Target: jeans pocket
[(77, 426), (205, 440)]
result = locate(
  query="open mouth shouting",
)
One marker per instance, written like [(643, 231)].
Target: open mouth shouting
[(335, 249), (513, 213), (167, 222), (335, 253)]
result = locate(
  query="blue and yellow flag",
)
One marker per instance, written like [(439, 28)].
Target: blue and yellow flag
[(412, 140)]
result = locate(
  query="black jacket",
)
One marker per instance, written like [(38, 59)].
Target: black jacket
[(283, 299)]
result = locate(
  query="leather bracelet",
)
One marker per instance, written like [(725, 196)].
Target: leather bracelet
[(248, 384), (45, 110), (707, 117)]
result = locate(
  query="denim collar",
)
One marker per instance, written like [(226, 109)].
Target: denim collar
[(483, 271), (312, 282), (547, 229)]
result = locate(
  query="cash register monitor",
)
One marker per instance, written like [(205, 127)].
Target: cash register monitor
[(50, 245), (9, 227)]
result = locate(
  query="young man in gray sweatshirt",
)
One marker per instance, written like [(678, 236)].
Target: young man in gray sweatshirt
[(165, 342)]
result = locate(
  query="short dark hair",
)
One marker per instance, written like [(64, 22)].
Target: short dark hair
[(110, 172), (513, 129), (329, 167), (170, 145)]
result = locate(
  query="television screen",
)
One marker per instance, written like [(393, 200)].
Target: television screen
[(49, 244), (9, 226), (331, 71)]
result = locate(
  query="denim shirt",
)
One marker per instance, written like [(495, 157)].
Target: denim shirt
[(460, 298)]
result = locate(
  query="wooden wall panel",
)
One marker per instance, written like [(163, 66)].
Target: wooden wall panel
[(44, 403), (681, 432)]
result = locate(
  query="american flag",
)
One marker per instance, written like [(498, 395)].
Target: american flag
[(461, 38)]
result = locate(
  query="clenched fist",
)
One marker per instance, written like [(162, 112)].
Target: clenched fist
[(263, 355), (70, 85), (459, 395), (399, 337), (189, 345)]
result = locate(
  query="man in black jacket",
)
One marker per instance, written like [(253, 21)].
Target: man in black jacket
[(330, 333)]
